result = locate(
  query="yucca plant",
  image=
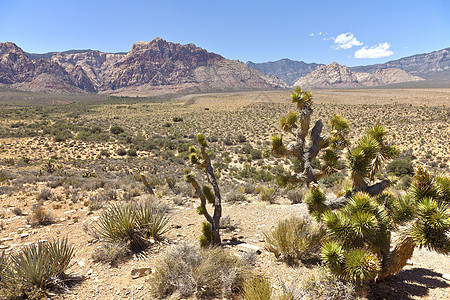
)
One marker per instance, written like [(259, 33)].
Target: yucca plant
[(298, 125), (360, 232), (131, 223), (42, 265), (200, 158)]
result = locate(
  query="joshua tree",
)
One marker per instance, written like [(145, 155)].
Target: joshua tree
[(360, 232), (297, 124), (365, 160), (201, 159)]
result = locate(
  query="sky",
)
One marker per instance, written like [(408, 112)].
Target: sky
[(350, 32)]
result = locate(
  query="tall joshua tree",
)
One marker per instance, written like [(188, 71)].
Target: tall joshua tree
[(201, 159), (364, 160), (298, 124)]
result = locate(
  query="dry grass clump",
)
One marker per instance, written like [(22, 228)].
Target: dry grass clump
[(112, 253), (322, 285), (257, 288), (34, 270), (190, 271), (40, 216), (297, 238)]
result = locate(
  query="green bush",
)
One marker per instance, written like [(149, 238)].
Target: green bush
[(400, 167), (116, 130)]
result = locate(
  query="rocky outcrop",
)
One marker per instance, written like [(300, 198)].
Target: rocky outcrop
[(155, 67), (434, 65), (287, 70), (335, 75)]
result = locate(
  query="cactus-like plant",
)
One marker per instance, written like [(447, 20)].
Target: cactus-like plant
[(364, 160), (360, 232), (298, 124), (201, 159)]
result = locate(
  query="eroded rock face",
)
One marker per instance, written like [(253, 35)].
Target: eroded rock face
[(335, 75), (157, 66)]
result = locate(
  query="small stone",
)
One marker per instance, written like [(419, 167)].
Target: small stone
[(5, 240), (23, 235), (446, 276), (140, 272), (248, 248)]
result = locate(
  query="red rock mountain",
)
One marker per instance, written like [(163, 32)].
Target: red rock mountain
[(156, 67), (336, 75)]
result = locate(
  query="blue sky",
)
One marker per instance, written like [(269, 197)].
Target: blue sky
[(349, 32)]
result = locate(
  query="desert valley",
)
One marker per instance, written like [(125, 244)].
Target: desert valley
[(114, 167)]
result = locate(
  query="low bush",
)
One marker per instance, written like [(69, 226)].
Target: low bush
[(203, 273), (40, 216), (297, 238), (111, 253), (322, 285), (257, 288)]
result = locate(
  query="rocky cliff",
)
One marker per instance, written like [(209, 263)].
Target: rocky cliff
[(149, 68), (434, 65), (336, 75)]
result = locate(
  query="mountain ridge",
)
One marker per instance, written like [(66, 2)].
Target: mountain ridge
[(155, 67)]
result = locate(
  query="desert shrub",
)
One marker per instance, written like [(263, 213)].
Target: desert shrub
[(45, 194), (297, 238), (17, 211), (241, 138), (295, 195), (204, 273), (268, 194), (40, 216), (35, 269), (131, 223), (121, 151), (227, 223), (399, 167), (235, 196), (116, 130), (111, 253), (257, 288), (322, 285), (177, 119), (255, 154)]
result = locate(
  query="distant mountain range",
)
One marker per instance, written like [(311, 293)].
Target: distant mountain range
[(150, 68), (433, 66), (287, 70), (335, 75), (161, 67)]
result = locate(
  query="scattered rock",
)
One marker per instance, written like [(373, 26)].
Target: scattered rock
[(248, 248), (140, 272)]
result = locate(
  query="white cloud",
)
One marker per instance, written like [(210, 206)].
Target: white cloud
[(311, 34), (382, 50), (346, 41)]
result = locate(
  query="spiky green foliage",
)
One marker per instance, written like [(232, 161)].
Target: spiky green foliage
[(295, 238), (35, 269), (367, 158), (132, 224), (208, 194), (433, 225), (443, 184), (201, 159), (360, 232), (301, 97), (340, 128), (315, 200), (205, 239)]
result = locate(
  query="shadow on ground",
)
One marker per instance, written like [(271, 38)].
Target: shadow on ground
[(407, 284)]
